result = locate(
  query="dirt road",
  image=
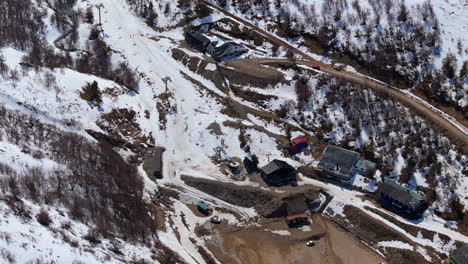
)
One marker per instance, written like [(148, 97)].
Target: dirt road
[(443, 122)]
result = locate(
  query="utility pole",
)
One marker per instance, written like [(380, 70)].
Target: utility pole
[(99, 6), (165, 80)]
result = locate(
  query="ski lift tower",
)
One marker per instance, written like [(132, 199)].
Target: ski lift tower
[(99, 6), (165, 80)]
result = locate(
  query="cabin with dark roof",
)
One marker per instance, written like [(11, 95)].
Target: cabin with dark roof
[(278, 173), (459, 255), (197, 40), (401, 200), (337, 162)]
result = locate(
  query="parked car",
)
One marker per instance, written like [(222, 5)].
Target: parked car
[(310, 243), (338, 66), (316, 67), (215, 220)]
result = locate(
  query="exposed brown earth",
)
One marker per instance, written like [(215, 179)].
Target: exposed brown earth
[(250, 66), (235, 109), (372, 231), (258, 246), (443, 125), (267, 202)]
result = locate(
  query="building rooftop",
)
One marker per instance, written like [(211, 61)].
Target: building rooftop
[(364, 165), (401, 194), (338, 160), (154, 163), (296, 206), (298, 140), (220, 50), (276, 165), (460, 255), (198, 36)]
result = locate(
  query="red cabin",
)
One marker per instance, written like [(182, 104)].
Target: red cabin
[(316, 67), (299, 144)]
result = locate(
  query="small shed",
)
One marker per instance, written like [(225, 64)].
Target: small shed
[(299, 144), (278, 173), (203, 208), (297, 212), (459, 255), (250, 166), (364, 167), (153, 166)]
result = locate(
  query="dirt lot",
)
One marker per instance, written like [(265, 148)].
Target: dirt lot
[(258, 246), (267, 202), (372, 231), (251, 67)]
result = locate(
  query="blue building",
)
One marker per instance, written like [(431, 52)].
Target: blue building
[(401, 200)]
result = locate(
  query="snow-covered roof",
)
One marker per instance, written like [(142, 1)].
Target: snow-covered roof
[(338, 160), (460, 255), (155, 163), (401, 194), (364, 165)]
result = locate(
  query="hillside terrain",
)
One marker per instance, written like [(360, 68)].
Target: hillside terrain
[(416, 45), (91, 94)]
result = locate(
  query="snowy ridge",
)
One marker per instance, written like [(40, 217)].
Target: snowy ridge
[(178, 117)]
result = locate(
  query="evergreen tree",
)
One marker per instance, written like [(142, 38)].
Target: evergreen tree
[(152, 16), (403, 14), (464, 71), (3, 66), (255, 159), (449, 65), (202, 10), (92, 93), (89, 16)]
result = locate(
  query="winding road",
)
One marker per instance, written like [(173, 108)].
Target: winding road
[(441, 121)]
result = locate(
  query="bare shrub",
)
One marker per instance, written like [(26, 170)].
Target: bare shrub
[(116, 248), (282, 112), (76, 209), (100, 187), (67, 225), (7, 255), (92, 236), (43, 218)]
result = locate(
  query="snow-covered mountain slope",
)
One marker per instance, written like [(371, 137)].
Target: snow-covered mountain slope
[(412, 44), (56, 130)]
